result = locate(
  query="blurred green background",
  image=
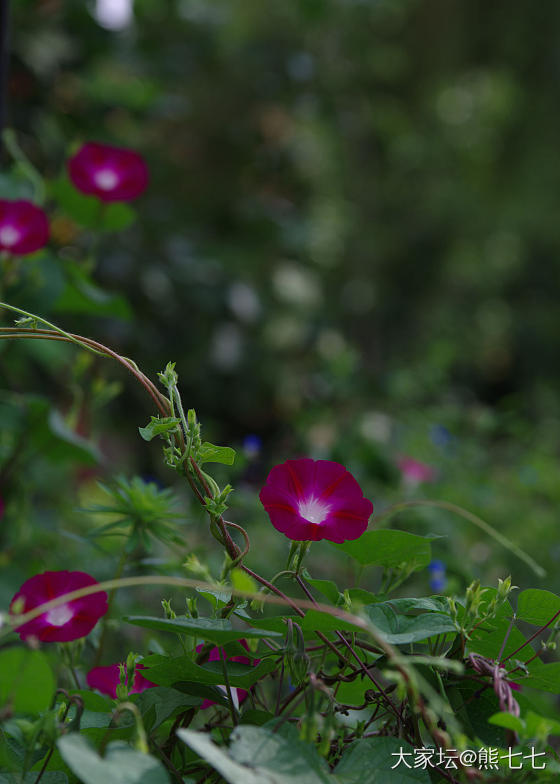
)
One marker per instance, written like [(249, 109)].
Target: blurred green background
[(350, 246)]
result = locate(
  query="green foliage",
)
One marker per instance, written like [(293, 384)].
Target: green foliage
[(142, 510), (390, 549), (215, 630), (120, 764), (335, 253), (27, 681), (536, 606)]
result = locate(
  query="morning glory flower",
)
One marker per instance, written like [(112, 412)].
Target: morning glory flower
[(308, 500), (66, 622), (110, 173), (24, 227)]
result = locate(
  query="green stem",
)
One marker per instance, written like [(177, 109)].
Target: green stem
[(472, 518), (118, 573), (25, 165)]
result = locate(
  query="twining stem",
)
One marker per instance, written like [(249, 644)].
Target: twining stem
[(163, 405), (362, 665), (532, 637), (92, 345)]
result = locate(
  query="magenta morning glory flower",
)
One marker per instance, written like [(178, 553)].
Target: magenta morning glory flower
[(110, 173), (315, 499), (66, 622), (414, 472), (24, 228), (218, 654), (106, 679)]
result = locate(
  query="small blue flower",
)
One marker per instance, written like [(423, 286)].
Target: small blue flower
[(438, 580), (440, 435), (252, 445)]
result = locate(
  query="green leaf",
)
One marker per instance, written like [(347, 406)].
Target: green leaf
[(242, 581), (543, 676), (488, 638), (361, 596), (117, 217), (45, 430), (120, 765), (327, 587), (540, 727), (276, 623), (389, 549), (89, 211), (316, 620), (208, 453), (166, 671), (216, 630), (430, 603), (164, 702), (474, 709), (403, 629), (27, 682), (159, 426), (537, 606), (373, 761), (257, 755), (508, 721), (81, 295)]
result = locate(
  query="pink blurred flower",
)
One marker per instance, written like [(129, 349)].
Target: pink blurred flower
[(414, 471), (217, 654), (106, 679), (315, 499), (66, 622), (110, 173), (24, 228)]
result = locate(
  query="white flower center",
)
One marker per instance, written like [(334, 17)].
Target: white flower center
[(313, 510), (9, 236), (106, 179), (59, 615)]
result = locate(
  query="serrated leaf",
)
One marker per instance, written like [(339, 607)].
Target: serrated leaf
[(209, 453)]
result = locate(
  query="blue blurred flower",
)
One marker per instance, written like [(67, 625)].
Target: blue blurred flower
[(440, 435), (252, 445), (438, 580)]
